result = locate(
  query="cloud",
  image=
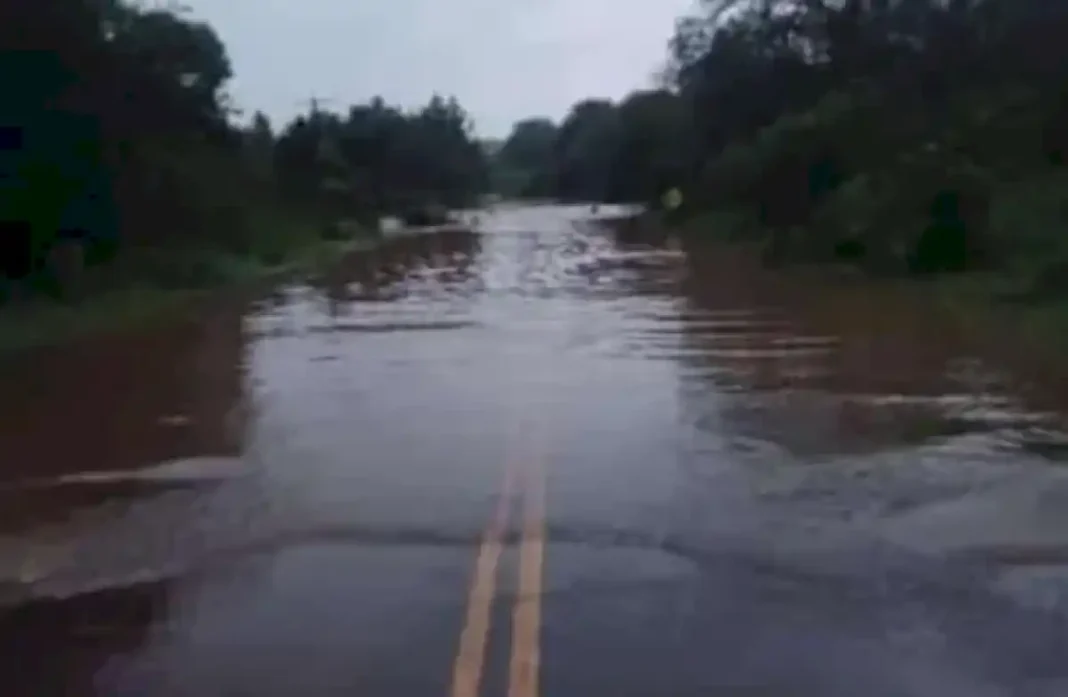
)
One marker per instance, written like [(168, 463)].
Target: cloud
[(503, 59)]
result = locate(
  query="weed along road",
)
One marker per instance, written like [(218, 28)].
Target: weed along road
[(547, 457)]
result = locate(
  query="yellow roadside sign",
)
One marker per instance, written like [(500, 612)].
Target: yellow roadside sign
[(672, 199)]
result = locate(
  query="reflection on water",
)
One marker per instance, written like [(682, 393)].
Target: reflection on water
[(372, 403)]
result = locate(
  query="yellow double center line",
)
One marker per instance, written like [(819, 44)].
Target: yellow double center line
[(529, 477)]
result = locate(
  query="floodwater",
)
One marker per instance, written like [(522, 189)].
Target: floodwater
[(545, 456)]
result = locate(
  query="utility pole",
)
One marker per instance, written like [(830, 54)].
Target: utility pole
[(315, 104)]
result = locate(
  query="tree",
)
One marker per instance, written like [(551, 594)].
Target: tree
[(530, 144), (585, 150), (117, 132), (524, 164), (632, 151), (879, 118), (95, 88), (387, 160), (653, 150)]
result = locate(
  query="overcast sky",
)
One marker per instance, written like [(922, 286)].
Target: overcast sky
[(503, 59)]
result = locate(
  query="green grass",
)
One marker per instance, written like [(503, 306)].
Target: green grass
[(156, 285), (42, 322)]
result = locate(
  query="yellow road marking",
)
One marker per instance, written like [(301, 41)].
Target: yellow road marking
[(467, 669), (526, 617)]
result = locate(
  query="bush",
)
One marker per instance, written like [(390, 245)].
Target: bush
[(895, 190), (794, 164), (431, 214), (860, 222), (926, 213), (1029, 229)]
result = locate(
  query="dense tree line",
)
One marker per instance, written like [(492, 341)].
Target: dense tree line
[(601, 151), (382, 158), (898, 134), (904, 134), (117, 135)]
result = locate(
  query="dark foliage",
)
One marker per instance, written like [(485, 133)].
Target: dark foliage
[(116, 134)]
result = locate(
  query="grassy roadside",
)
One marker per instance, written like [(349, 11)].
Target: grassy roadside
[(157, 284)]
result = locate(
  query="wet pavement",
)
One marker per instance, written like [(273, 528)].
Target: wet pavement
[(548, 456)]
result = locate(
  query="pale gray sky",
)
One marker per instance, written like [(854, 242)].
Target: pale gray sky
[(503, 59)]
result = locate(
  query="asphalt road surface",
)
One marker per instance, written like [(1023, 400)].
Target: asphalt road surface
[(546, 457)]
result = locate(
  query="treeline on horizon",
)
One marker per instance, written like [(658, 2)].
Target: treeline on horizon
[(120, 149), (899, 135)]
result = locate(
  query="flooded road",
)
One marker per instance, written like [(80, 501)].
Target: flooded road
[(548, 456)]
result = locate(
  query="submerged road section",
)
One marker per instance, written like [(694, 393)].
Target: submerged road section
[(555, 455)]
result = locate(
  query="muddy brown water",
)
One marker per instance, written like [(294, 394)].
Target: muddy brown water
[(150, 479)]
